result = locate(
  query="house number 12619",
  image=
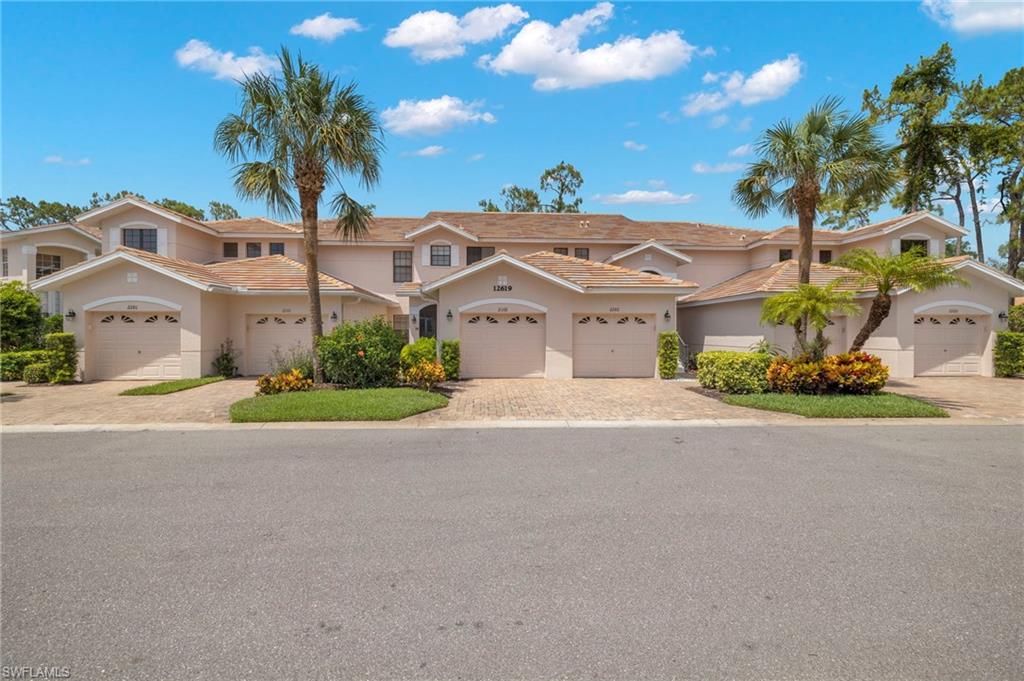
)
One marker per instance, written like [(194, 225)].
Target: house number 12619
[(503, 288)]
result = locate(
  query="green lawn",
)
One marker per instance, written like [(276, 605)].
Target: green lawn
[(882, 405), (374, 404), (168, 387)]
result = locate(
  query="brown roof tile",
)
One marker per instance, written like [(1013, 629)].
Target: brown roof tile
[(193, 270), (777, 278), (591, 274), (256, 225)]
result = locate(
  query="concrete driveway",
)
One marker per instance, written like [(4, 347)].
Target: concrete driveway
[(99, 402)]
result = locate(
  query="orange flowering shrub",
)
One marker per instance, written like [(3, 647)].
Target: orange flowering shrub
[(854, 373), (287, 382), (425, 374)]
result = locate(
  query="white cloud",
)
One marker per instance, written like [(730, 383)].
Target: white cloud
[(325, 27), (976, 16), (657, 184), (771, 81), (713, 77), (702, 168), (552, 54), (432, 150), (434, 35), (718, 121), (198, 55), (634, 146), (668, 117), (662, 197), (474, 158), (433, 116), (742, 150), (61, 161)]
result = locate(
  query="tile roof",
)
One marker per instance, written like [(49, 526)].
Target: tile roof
[(776, 278), (591, 274), (193, 270), (91, 231), (255, 225)]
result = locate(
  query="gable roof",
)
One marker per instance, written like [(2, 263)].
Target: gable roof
[(790, 234), (650, 244), (138, 202), (84, 230), (766, 281), (256, 225), (576, 274), (272, 273)]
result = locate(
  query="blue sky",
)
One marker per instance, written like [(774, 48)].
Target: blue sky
[(103, 97)]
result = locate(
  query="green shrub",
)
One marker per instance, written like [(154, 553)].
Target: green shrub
[(12, 364), (285, 382), (1015, 322), (668, 354), (297, 357), (423, 350), (63, 358), (53, 324), (361, 355), (426, 374), (226, 362), (36, 373), (21, 318), (451, 358), (853, 373), (1009, 354), (733, 372)]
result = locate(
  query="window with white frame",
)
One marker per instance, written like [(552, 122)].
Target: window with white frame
[(441, 255), (401, 266), (918, 245), (143, 239), (46, 263)]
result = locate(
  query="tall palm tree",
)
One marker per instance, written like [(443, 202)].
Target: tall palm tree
[(884, 273), (296, 133), (828, 153), (811, 305)]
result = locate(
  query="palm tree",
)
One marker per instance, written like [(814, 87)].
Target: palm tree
[(913, 270), (295, 134), (815, 304), (827, 154)]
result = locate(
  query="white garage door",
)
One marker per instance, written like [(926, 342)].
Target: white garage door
[(503, 345), (273, 335), (613, 345), (137, 345), (948, 345)]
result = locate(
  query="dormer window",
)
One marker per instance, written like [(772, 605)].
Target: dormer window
[(910, 244), (441, 256), (143, 239), (785, 254)]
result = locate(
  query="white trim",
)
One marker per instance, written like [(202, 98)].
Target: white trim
[(126, 299), (503, 301), (672, 253), (145, 205), (1012, 283), (654, 270), (440, 224), (54, 244), (494, 260), (952, 303), (81, 268), (665, 290), (724, 299), (16, 233)]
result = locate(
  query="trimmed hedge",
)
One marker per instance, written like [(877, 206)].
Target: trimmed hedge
[(63, 358), (733, 372), (36, 373), (668, 354), (423, 350), (361, 354), (12, 364), (1009, 353), (451, 358), (853, 373), (1015, 322)]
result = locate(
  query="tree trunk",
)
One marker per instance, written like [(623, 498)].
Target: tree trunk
[(1014, 192), (880, 307), (976, 214), (311, 242), (958, 201), (806, 222)]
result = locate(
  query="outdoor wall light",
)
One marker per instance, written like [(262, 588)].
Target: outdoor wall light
[(334, 315), (413, 319), (668, 315), (449, 315), (70, 315), (1003, 316)]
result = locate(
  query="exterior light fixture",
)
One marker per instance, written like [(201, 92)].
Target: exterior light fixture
[(1003, 316), (70, 315), (668, 315), (449, 315), (334, 315), (413, 319)]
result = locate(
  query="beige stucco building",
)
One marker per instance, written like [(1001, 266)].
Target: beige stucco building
[(151, 293)]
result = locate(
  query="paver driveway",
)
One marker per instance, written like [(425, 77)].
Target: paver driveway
[(967, 396), (585, 399), (100, 403)]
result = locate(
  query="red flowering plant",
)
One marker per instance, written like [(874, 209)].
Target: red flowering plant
[(361, 354)]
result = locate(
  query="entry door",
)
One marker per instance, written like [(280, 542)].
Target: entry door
[(613, 345), (137, 345), (948, 345), (503, 345), (272, 335)]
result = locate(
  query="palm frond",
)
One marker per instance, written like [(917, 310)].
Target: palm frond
[(267, 182), (354, 218)]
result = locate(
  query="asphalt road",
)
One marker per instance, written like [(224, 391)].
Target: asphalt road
[(703, 553)]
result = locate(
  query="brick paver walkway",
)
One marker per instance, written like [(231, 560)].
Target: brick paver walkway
[(967, 396), (584, 399)]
